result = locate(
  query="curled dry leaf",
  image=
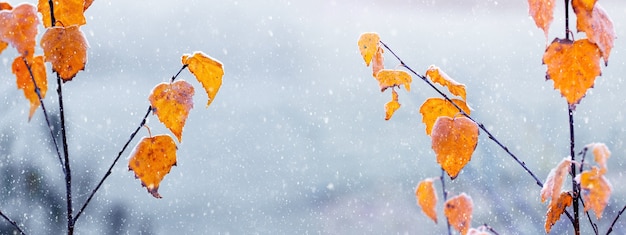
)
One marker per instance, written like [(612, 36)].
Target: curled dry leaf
[(66, 49), (458, 210), (438, 76), (596, 24), (427, 198), (573, 66), (434, 108), (454, 141), (378, 62), (368, 46), (391, 106), (207, 70), (25, 82), (19, 28), (151, 160), (596, 190), (554, 182), (556, 209), (542, 12), (390, 78), (600, 153), (66, 12), (171, 102)]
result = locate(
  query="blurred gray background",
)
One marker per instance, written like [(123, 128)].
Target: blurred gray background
[(296, 142)]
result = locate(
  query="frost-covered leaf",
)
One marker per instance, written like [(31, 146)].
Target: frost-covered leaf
[(438, 76), (19, 28), (427, 198), (601, 154), (25, 82), (573, 66), (368, 46), (597, 25), (458, 210), (207, 70), (554, 182), (454, 141), (434, 108), (171, 102), (378, 62), (390, 78), (151, 160), (542, 12), (556, 209), (66, 49), (391, 106), (596, 190), (66, 12)]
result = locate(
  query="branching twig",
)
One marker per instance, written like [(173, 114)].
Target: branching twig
[(480, 125), (68, 171), (615, 220), (575, 190), (12, 223)]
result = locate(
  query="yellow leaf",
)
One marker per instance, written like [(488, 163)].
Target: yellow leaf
[(552, 187), (556, 209), (66, 49), (573, 66), (207, 70), (151, 160), (434, 108), (438, 76), (454, 142), (25, 82), (426, 198), (458, 210), (66, 12), (378, 62), (368, 45), (596, 190), (171, 102), (391, 106), (391, 78)]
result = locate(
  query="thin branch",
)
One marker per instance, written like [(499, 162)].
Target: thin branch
[(490, 229), (109, 171), (575, 190), (583, 153), (12, 223), (567, 32), (180, 70), (68, 171), (45, 113), (480, 125), (615, 220), (52, 19), (445, 195)]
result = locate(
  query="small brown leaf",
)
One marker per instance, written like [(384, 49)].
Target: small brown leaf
[(66, 49), (596, 24), (391, 106), (151, 160), (378, 62), (601, 154), (556, 209), (19, 28), (454, 141), (596, 190), (458, 210), (25, 82), (542, 11)]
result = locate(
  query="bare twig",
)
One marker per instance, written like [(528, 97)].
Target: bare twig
[(445, 195), (490, 229), (575, 190), (68, 171), (12, 223), (615, 220)]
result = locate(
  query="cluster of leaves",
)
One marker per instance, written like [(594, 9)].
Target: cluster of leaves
[(454, 135)]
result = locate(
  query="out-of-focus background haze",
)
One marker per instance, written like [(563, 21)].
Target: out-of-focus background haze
[(295, 141)]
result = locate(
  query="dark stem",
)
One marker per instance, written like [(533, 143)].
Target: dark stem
[(180, 70), (45, 113), (68, 171), (615, 220), (593, 225), (481, 126), (490, 229), (573, 170), (109, 171), (567, 32), (15, 224), (52, 20), (583, 153), (445, 195)]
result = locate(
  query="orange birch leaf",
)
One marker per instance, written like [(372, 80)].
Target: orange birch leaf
[(171, 102), (573, 66), (596, 24), (87, 4), (454, 141), (25, 82), (438, 76), (391, 106), (368, 46), (66, 12), (207, 70), (554, 182), (66, 50), (433, 108), (151, 160), (542, 12), (596, 190), (5, 6), (378, 62), (458, 210), (3, 45), (426, 198), (391, 78), (600, 153), (556, 209), (19, 28)]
